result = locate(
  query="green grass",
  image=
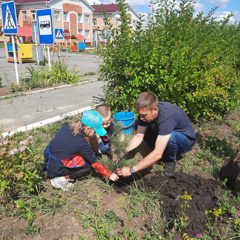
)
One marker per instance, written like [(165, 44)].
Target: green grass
[(101, 212)]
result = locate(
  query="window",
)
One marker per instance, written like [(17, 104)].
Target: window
[(65, 16), (57, 15), (134, 23), (94, 22), (87, 33), (79, 31), (24, 13), (117, 22), (86, 18), (34, 16), (79, 18), (105, 22)]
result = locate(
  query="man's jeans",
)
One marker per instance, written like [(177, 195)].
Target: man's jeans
[(178, 143)]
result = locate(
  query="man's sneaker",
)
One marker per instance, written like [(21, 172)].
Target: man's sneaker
[(61, 183), (169, 168)]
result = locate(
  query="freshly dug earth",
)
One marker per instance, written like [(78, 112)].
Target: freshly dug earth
[(204, 191)]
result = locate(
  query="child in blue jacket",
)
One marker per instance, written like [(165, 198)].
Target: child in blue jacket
[(72, 152)]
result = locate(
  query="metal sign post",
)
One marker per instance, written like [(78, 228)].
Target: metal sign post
[(15, 58), (49, 58), (66, 35), (58, 35), (35, 34), (10, 27)]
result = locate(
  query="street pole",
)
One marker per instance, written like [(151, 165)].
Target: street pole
[(15, 59), (35, 33), (49, 58)]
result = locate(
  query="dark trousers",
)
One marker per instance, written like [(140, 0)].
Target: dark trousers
[(178, 143), (76, 173)]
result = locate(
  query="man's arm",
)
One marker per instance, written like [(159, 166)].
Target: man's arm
[(150, 159), (136, 140)]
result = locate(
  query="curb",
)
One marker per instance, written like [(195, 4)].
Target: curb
[(45, 122), (46, 90)]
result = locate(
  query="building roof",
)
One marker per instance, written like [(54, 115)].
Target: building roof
[(105, 7), (111, 8), (24, 32), (79, 37), (24, 1)]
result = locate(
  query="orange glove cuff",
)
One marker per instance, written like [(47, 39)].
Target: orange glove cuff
[(100, 168)]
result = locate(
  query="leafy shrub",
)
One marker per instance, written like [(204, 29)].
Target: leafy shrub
[(59, 73), (19, 169), (0, 81), (42, 77), (189, 61)]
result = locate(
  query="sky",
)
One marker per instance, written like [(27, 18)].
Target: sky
[(225, 7)]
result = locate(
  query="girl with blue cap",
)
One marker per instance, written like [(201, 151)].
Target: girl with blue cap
[(72, 152)]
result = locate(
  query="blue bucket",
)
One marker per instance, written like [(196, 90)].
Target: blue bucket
[(126, 119)]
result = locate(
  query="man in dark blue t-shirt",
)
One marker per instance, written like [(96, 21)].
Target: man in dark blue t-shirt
[(166, 129)]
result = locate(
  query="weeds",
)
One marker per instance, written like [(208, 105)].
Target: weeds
[(46, 76), (182, 222), (136, 214), (19, 169)]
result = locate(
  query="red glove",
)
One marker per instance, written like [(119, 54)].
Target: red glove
[(100, 168)]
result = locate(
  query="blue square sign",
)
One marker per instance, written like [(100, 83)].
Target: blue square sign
[(9, 18), (45, 26), (58, 33)]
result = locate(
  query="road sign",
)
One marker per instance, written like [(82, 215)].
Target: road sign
[(66, 34), (35, 32), (37, 52), (10, 26), (45, 26), (58, 33), (96, 36), (105, 35)]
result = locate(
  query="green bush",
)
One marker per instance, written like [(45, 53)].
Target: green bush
[(59, 73), (47, 76), (20, 169), (189, 61)]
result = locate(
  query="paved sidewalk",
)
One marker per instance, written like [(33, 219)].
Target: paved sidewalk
[(85, 63), (20, 111)]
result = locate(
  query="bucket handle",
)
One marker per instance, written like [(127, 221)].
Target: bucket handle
[(125, 128)]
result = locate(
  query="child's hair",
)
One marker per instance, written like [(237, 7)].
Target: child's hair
[(103, 110), (77, 126), (146, 100)]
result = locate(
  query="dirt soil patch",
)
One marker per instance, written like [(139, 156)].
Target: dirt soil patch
[(204, 194), (77, 216)]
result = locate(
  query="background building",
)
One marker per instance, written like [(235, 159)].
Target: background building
[(79, 17)]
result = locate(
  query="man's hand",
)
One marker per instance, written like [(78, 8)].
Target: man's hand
[(125, 172), (114, 177)]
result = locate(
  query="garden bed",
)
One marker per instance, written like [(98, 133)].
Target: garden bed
[(193, 203)]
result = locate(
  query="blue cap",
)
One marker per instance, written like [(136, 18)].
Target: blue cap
[(94, 120)]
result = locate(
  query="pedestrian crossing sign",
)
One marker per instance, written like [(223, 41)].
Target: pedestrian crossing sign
[(9, 18), (58, 33)]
